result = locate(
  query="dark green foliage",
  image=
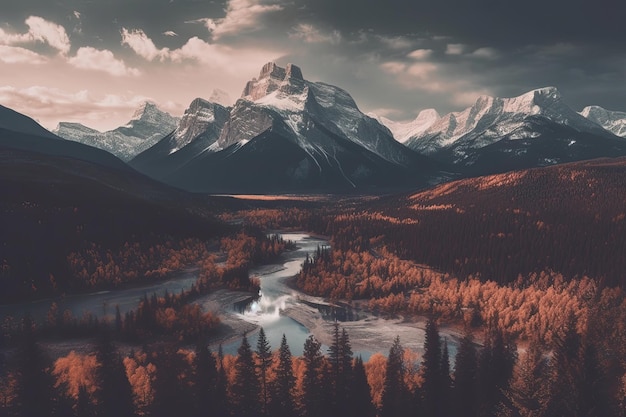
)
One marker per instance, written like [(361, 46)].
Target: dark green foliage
[(246, 388), (314, 401), (360, 395), (264, 355), (340, 357), (395, 396), (115, 396), (282, 398), (205, 380), (433, 387), (171, 396), (495, 369), (34, 392), (465, 379)]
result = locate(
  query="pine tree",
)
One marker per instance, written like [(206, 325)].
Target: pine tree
[(445, 380), (33, 381), (282, 400), (340, 356), (313, 401), (495, 369), (360, 397), (170, 396), (205, 379), (431, 372), (465, 379), (528, 392), (246, 386), (221, 406), (394, 397), (115, 395), (264, 355)]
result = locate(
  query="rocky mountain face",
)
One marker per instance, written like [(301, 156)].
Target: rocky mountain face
[(197, 133), (147, 126), (613, 121), (287, 133), (498, 134)]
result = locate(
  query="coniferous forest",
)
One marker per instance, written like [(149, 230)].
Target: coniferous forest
[(535, 291)]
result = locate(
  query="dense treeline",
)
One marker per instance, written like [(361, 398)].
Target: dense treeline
[(163, 380)]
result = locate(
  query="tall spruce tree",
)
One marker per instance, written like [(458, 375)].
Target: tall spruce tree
[(465, 378), (205, 380), (171, 397), (264, 355), (34, 386), (432, 395), (313, 401), (246, 390), (395, 395), (114, 395), (282, 399), (340, 356), (360, 396)]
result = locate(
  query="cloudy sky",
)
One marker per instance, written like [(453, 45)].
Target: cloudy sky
[(95, 61)]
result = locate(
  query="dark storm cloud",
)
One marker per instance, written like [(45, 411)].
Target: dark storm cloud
[(501, 22)]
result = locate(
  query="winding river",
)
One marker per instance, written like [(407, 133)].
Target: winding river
[(279, 309)]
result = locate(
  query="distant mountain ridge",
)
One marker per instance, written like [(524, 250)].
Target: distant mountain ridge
[(613, 121), (499, 134), (147, 126)]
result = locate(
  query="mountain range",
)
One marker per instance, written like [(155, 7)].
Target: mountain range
[(288, 134), (147, 126)]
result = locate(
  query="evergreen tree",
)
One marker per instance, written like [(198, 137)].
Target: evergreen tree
[(313, 401), (282, 401), (83, 403), (171, 397), (221, 407), (360, 396), (465, 379), (528, 392), (114, 395), (264, 355), (246, 385), (34, 390), (445, 381), (394, 397), (432, 394), (340, 356), (495, 369), (205, 379)]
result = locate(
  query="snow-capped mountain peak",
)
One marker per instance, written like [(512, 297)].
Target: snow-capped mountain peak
[(613, 121), (491, 118), (403, 131), (146, 127)]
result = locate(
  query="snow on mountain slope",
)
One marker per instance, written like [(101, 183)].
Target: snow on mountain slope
[(147, 126), (311, 111), (403, 131), (492, 118), (613, 121)]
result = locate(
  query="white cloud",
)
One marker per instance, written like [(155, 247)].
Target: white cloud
[(143, 46), (39, 30), (170, 33), (311, 34), (51, 105), (455, 49), (17, 55), (420, 54), (241, 16), (76, 14), (89, 58), (396, 42), (486, 53)]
